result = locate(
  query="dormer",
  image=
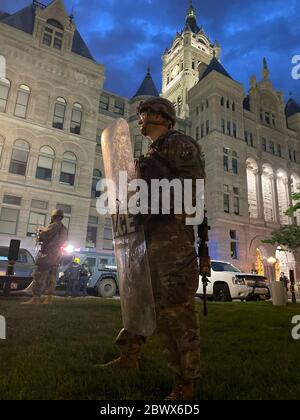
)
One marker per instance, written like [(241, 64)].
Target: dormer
[(53, 28)]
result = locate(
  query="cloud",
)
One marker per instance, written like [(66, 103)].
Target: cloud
[(126, 35)]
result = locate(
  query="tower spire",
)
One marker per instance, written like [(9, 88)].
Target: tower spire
[(191, 18)]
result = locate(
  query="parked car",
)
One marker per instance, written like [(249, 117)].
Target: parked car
[(104, 277), (228, 282), (23, 271)]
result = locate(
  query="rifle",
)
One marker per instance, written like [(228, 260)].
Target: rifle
[(204, 258)]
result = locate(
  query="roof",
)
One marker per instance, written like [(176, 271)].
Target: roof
[(215, 65), (291, 108), (24, 21), (147, 87)]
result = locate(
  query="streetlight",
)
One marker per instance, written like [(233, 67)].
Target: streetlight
[(271, 262)]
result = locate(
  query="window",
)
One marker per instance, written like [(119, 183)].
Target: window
[(104, 102), (98, 141), (226, 199), (4, 92), (76, 119), (68, 169), (67, 214), (36, 220), (294, 156), (197, 133), (261, 113), (9, 220), (236, 191), (226, 163), (236, 206), (272, 148), (222, 101), (234, 166), (202, 131), (234, 250), (22, 101), (267, 118), (97, 176), (223, 126), (234, 245), (138, 146), (207, 103), (91, 236), (228, 104), (264, 144), (119, 107), (273, 121), (233, 106), (107, 238), (13, 200), (59, 113), (37, 204), (53, 34), (279, 150), (92, 229), (45, 164), (207, 127), (251, 140), (228, 128), (234, 130), (19, 158)]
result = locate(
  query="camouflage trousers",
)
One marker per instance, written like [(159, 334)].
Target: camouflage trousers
[(44, 278), (174, 276)]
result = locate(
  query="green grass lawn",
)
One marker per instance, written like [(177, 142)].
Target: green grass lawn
[(50, 353)]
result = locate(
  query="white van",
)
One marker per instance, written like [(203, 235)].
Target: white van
[(228, 282)]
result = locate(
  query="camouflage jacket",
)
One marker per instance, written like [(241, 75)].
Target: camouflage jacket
[(172, 156), (53, 238)]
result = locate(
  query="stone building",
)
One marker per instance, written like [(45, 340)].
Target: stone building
[(53, 110)]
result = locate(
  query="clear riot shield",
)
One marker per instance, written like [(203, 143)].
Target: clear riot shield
[(137, 302)]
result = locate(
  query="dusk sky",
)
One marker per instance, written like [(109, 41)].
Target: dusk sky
[(126, 35)]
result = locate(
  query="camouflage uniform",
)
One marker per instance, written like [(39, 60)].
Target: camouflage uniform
[(172, 259), (48, 259)]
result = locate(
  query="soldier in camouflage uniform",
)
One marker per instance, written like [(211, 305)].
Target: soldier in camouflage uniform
[(52, 238), (171, 252)]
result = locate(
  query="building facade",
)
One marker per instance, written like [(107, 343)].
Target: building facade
[(53, 110)]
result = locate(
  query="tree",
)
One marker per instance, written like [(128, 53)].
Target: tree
[(288, 236)]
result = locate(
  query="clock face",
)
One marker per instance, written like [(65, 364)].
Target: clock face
[(175, 71)]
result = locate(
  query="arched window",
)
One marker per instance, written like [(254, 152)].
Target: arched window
[(22, 101), (59, 113), (19, 158), (53, 34), (228, 104), (233, 106), (4, 92), (45, 164), (76, 119), (68, 169), (97, 176)]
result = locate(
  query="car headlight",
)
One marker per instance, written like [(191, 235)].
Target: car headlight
[(238, 281), (61, 274)]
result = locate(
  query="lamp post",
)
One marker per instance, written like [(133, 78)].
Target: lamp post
[(271, 263)]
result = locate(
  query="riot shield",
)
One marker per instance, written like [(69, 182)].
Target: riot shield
[(137, 302)]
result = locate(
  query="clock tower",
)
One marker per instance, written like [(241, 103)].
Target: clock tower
[(191, 48)]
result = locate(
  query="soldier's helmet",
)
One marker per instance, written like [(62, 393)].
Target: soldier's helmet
[(159, 106), (57, 213)]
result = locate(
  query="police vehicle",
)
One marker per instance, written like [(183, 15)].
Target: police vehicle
[(103, 280)]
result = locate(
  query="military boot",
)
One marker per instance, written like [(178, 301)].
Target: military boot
[(183, 390), (35, 300), (48, 300), (125, 361)]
